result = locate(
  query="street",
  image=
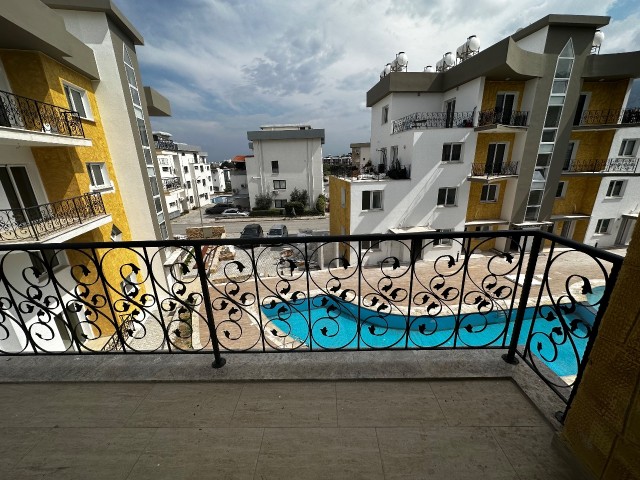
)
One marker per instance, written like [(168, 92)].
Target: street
[(233, 226)]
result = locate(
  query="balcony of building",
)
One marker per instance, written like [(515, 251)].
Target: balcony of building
[(166, 144), (484, 172), (171, 184), (53, 222), (428, 120), (607, 119), (496, 120), (31, 123), (388, 367), (603, 166)]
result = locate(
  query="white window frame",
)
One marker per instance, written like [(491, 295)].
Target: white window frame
[(611, 188), (443, 242), (563, 192), (83, 96), (485, 198), (275, 167), (623, 147), (371, 245), (385, 114), (372, 194), (94, 186), (451, 146), (599, 226), (277, 185), (446, 196), (279, 203)]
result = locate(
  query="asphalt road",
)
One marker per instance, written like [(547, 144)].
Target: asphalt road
[(234, 226)]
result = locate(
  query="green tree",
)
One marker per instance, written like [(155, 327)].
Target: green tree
[(299, 196), (263, 202)]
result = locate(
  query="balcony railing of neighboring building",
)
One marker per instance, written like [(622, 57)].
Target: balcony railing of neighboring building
[(420, 120), (603, 165), (29, 114), (494, 169), (316, 294), (608, 117), (43, 221), (512, 118), (162, 144), (171, 184)]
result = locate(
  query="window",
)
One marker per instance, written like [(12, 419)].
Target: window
[(483, 228), (451, 152), (489, 193), (373, 245), (383, 160), (158, 204), (188, 183), (343, 197), (568, 159), (98, 175), (603, 225), (443, 242), (190, 198), (279, 184), (394, 154), (495, 158), (77, 99), (627, 148), (385, 114), (275, 168), (127, 286), (562, 189), (450, 108), (40, 260), (186, 169), (279, 203), (165, 169), (447, 196), (372, 200), (116, 234), (615, 188)]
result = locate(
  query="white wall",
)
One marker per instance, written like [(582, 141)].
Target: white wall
[(534, 42)]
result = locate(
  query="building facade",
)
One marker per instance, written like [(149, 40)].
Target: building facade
[(532, 132)]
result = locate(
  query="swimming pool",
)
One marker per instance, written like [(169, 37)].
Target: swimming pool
[(327, 323)]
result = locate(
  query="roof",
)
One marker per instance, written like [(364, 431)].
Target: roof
[(592, 21), (359, 145), (241, 158), (262, 135)]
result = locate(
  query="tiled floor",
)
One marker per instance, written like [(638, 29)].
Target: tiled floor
[(453, 429)]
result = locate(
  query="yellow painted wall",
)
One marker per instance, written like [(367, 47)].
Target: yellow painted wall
[(339, 216), (580, 197), (477, 210), (594, 144), (491, 89), (63, 169), (606, 95), (484, 139)]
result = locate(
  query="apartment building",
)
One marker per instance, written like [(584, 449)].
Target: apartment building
[(532, 132), (72, 149), (360, 154), (173, 185), (285, 157)]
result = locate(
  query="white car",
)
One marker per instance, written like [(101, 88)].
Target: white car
[(234, 212)]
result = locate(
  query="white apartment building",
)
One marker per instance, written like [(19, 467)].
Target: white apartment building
[(171, 182), (285, 157), (220, 178)]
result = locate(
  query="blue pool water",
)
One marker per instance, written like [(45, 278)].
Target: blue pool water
[(328, 323)]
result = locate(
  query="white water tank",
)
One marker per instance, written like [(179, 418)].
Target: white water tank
[(401, 59), (387, 69), (473, 44), (448, 59), (598, 38), (460, 51), (428, 68), (439, 64)]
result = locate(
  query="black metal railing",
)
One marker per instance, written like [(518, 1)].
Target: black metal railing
[(420, 120), (29, 114), (43, 221), (494, 117), (611, 165), (166, 145), (608, 117), (172, 183), (494, 169), (367, 292)]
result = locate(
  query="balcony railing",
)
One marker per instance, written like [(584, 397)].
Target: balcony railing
[(43, 221), (166, 145), (608, 117), (494, 170), (493, 117), (367, 292), (420, 120), (611, 165), (170, 184), (29, 114)]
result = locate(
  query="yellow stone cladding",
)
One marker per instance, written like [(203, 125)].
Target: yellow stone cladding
[(491, 89), (605, 95), (580, 197)]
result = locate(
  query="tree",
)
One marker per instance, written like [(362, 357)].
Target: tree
[(263, 201), (299, 196)]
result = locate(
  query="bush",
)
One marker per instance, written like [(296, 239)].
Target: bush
[(263, 202), (321, 204), (298, 207), (299, 196), (272, 212)]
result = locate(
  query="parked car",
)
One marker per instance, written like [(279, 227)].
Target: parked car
[(234, 212), (278, 231), (253, 230), (218, 208)]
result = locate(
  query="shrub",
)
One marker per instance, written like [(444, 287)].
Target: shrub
[(321, 204), (272, 212), (298, 207), (299, 196), (263, 202)]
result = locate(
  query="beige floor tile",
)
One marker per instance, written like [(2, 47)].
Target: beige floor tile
[(286, 404), (449, 453), (15, 443), (387, 404), (319, 453)]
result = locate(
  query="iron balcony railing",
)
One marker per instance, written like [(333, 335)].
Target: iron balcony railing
[(29, 114), (166, 145), (510, 118), (494, 169), (424, 291), (603, 165), (172, 183), (42, 221), (608, 117), (420, 120)]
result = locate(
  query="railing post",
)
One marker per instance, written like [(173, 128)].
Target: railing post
[(218, 361), (75, 205), (510, 356), (66, 121)]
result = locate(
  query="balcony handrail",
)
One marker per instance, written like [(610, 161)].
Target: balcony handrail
[(621, 116), (172, 183), (600, 165), (166, 145), (493, 170), (514, 118), (41, 221), (419, 120), (26, 113)]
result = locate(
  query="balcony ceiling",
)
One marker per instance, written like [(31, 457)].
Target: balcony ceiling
[(29, 138)]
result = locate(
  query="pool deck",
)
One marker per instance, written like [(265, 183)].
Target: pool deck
[(360, 415)]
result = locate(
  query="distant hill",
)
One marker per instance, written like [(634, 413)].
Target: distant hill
[(634, 96)]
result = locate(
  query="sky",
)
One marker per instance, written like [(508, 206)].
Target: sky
[(230, 66)]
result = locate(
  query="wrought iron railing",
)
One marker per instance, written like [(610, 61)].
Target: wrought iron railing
[(611, 165), (420, 120), (29, 114), (608, 117), (622, 165), (43, 221), (369, 292), (510, 118), (493, 169), (166, 145), (172, 183)]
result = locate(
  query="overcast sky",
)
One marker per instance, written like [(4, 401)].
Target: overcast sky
[(229, 66)]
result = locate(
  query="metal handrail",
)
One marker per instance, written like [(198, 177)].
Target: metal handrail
[(494, 170), (611, 165), (609, 117), (496, 117), (420, 120)]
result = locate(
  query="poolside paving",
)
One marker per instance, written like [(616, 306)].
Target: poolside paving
[(368, 429)]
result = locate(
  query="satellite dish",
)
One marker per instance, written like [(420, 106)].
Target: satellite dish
[(598, 38)]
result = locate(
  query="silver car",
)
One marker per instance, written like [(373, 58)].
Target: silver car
[(234, 212)]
